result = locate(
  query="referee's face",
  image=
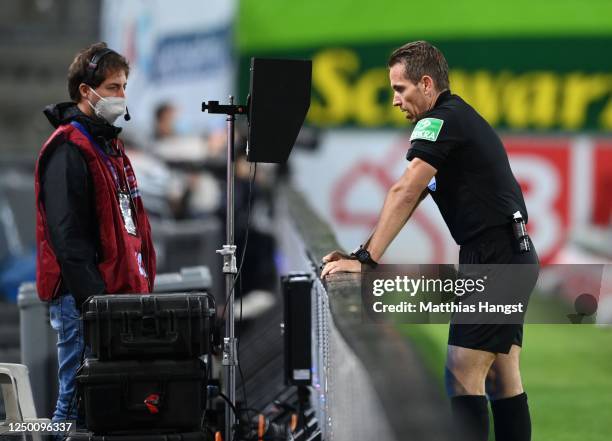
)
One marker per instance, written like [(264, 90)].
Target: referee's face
[(409, 97)]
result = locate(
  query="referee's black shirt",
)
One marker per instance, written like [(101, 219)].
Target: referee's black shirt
[(474, 187)]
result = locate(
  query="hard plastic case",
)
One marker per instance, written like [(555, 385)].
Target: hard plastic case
[(151, 326), (118, 396)]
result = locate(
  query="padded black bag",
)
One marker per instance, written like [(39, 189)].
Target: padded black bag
[(152, 326), (118, 396)]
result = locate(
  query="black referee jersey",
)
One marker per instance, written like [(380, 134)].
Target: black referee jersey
[(477, 195), (474, 187)]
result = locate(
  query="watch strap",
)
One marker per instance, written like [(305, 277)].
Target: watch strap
[(364, 257)]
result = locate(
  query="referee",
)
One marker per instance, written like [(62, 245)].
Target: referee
[(457, 157)]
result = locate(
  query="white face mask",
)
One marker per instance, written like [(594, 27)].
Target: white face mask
[(109, 108)]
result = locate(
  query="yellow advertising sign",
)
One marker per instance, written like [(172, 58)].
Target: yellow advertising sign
[(540, 99)]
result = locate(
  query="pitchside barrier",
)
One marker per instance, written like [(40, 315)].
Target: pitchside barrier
[(367, 381)]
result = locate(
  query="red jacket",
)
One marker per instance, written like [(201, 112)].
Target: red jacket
[(126, 261)]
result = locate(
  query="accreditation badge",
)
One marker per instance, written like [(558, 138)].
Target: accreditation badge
[(125, 204)]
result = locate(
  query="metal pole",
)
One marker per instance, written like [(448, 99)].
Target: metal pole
[(228, 251), (230, 270)]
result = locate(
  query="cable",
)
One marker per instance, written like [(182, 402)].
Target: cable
[(227, 400), (242, 383), (246, 238), (235, 411), (244, 394), (237, 278)]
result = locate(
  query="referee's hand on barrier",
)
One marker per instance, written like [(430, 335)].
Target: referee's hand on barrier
[(335, 255), (340, 265)]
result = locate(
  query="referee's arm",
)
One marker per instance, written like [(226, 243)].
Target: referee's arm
[(400, 202)]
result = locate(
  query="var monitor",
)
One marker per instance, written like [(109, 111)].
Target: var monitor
[(279, 99)]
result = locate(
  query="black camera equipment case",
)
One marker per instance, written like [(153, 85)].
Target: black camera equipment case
[(151, 326), (121, 396)]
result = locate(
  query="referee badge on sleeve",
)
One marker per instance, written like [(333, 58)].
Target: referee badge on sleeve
[(432, 184), (427, 129)]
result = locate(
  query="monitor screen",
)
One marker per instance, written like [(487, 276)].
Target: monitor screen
[(278, 103)]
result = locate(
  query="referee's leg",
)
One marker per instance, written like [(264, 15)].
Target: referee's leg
[(466, 371), (508, 399)]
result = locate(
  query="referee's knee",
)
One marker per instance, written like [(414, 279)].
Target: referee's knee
[(503, 383), (466, 370), (463, 383), (451, 383)]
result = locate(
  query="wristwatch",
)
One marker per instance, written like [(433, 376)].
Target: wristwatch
[(363, 256)]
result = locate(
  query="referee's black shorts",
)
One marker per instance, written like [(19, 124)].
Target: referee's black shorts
[(494, 246)]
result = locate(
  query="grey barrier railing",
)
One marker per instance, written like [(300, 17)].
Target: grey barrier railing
[(368, 382)]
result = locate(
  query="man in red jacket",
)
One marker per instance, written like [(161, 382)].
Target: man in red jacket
[(93, 235)]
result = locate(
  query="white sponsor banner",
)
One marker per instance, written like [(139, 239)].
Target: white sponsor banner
[(346, 181), (179, 52), (347, 178)]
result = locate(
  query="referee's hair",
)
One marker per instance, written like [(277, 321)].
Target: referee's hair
[(422, 58)]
